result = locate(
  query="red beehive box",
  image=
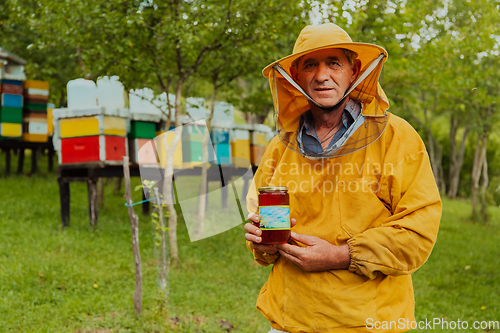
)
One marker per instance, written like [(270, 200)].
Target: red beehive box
[(98, 148)]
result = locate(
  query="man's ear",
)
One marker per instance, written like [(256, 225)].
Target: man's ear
[(295, 75), (356, 68)]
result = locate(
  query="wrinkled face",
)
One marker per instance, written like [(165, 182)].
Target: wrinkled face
[(325, 75)]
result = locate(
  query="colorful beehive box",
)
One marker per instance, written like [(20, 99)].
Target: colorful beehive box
[(35, 131), (11, 87), (10, 131), (192, 150), (220, 135), (12, 101), (142, 151), (162, 153), (93, 125), (259, 141), (143, 125), (11, 109), (141, 135), (35, 122), (97, 148), (91, 135), (50, 119), (240, 145)]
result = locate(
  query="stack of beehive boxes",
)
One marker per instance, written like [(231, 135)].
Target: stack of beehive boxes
[(93, 135), (222, 122), (259, 142), (240, 145), (148, 108), (220, 140), (35, 122), (141, 138), (11, 109), (87, 132), (192, 149), (193, 130)]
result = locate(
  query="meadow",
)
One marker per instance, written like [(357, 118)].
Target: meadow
[(81, 280)]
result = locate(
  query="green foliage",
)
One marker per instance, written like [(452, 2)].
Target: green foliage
[(155, 218), (48, 58)]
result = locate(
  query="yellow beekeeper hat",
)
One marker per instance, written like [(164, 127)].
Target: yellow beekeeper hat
[(329, 35)]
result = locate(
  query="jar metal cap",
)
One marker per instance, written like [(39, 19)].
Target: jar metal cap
[(273, 189)]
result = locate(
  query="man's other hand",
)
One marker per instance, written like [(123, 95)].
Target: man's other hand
[(317, 255), (254, 235)]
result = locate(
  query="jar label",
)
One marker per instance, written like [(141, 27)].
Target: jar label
[(274, 217)]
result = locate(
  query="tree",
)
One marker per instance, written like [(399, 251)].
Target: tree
[(47, 59), (241, 54), (157, 44)]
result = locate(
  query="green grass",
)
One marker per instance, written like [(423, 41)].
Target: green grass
[(82, 280), (461, 280)]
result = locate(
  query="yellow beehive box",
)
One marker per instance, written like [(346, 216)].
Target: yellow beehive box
[(33, 84), (240, 146), (259, 139), (50, 117), (257, 152), (240, 151), (94, 125), (160, 149), (11, 130), (35, 137)]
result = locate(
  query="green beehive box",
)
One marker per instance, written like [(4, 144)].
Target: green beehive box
[(192, 151), (36, 106), (11, 115), (142, 130)]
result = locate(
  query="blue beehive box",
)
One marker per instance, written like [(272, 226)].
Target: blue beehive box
[(223, 153), (219, 136), (12, 101)]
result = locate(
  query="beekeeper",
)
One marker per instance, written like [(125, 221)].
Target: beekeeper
[(363, 198)]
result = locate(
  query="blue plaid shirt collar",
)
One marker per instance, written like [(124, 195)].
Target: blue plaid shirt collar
[(309, 137)]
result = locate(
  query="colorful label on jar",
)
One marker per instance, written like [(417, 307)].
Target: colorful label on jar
[(274, 217)]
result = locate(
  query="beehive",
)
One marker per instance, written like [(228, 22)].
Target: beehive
[(240, 145), (259, 142), (192, 150), (161, 151), (35, 122), (93, 125), (97, 148), (11, 109), (141, 135), (91, 135), (220, 136)]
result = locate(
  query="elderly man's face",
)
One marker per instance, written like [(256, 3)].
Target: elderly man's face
[(325, 75)]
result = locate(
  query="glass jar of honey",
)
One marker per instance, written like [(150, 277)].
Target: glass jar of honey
[(274, 212)]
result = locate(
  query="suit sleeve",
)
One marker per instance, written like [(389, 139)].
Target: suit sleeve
[(405, 239)]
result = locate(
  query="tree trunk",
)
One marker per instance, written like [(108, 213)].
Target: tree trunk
[(456, 158), (479, 156), (169, 171), (164, 263), (484, 187), (435, 156), (202, 198), (134, 225)]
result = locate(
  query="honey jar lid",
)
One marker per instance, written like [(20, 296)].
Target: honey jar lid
[(273, 189)]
